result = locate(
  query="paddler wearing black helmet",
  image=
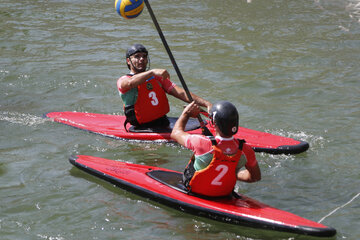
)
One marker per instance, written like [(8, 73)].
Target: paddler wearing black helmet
[(218, 161), (225, 116), (137, 48), (144, 91)]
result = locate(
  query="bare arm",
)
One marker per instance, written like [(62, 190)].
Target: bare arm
[(178, 133), (180, 93), (139, 78), (252, 173)]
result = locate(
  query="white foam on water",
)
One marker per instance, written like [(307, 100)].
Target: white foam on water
[(22, 118), (353, 8), (313, 140)]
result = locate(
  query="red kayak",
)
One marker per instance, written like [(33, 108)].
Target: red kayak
[(165, 186), (113, 126)]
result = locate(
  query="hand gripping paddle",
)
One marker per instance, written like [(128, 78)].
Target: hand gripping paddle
[(205, 130)]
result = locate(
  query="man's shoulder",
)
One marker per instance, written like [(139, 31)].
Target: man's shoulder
[(118, 83), (126, 76), (247, 147), (197, 139)]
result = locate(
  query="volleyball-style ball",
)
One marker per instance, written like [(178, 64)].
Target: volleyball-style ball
[(129, 8)]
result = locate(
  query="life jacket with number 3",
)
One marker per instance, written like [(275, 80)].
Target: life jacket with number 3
[(218, 178), (151, 103)]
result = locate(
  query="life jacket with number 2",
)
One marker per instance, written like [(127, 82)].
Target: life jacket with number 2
[(218, 178), (151, 103)]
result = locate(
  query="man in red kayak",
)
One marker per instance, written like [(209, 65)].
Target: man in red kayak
[(217, 161), (144, 92)]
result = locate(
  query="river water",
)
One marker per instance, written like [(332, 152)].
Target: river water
[(291, 68)]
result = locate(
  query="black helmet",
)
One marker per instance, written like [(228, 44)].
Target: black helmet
[(224, 115), (135, 49)]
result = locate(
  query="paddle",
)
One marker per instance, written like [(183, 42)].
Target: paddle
[(205, 130)]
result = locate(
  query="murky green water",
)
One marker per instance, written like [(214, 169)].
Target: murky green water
[(291, 68)]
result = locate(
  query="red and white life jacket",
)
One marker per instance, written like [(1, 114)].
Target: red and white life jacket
[(151, 103), (218, 178)]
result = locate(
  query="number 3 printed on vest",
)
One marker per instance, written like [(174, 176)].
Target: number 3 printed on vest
[(222, 169), (154, 100)]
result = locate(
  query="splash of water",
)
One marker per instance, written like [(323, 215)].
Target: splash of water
[(22, 118), (353, 8), (313, 140)]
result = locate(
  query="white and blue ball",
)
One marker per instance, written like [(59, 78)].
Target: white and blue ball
[(129, 8)]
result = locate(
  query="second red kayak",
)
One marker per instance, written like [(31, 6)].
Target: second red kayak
[(166, 187), (113, 126)]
